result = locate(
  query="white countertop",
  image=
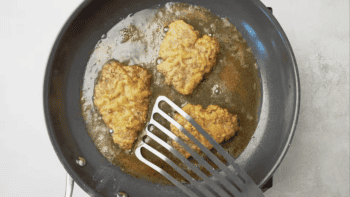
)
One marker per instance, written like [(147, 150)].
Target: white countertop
[(317, 163)]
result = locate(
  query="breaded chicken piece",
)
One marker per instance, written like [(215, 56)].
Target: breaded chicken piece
[(121, 96), (185, 57), (216, 121)]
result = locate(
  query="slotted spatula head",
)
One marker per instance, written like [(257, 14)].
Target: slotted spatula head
[(230, 180)]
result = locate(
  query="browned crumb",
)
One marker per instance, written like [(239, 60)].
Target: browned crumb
[(121, 96), (186, 57), (216, 121)]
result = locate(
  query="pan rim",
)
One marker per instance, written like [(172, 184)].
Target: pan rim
[(48, 121), (268, 13), (76, 13)]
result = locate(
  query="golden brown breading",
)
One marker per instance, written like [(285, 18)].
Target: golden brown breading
[(185, 57), (121, 96), (216, 121)]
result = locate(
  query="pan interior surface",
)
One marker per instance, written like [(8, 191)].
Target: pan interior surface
[(233, 83), (64, 80)]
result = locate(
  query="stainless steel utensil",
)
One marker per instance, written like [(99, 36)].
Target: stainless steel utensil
[(230, 180)]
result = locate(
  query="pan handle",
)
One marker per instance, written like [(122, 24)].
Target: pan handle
[(69, 186)]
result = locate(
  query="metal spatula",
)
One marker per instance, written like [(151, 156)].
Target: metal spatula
[(231, 180)]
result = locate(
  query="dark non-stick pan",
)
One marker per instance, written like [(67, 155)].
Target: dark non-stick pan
[(64, 78)]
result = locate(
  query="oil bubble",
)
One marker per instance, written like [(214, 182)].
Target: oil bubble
[(166, 29), (213, 27), (146, 139), (249, 50), (150, 127), (216, 90), (104, 36), (127, 151), (159, 60), (206, 30), (250, 117)]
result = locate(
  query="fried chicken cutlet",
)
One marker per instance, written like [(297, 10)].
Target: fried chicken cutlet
[(121, 96), (186, 58), (216, 121)]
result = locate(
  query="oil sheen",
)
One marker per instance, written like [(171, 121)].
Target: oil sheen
[(233, 83)]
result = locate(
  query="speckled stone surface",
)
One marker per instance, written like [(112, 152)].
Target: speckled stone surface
[(316, 165)]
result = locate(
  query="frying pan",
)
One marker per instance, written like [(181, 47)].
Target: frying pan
[(64, 78)]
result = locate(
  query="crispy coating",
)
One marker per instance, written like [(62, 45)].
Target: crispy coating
[(216, 121), (186, 58), (121, 96)]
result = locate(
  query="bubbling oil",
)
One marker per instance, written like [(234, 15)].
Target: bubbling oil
[(232, 83)]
